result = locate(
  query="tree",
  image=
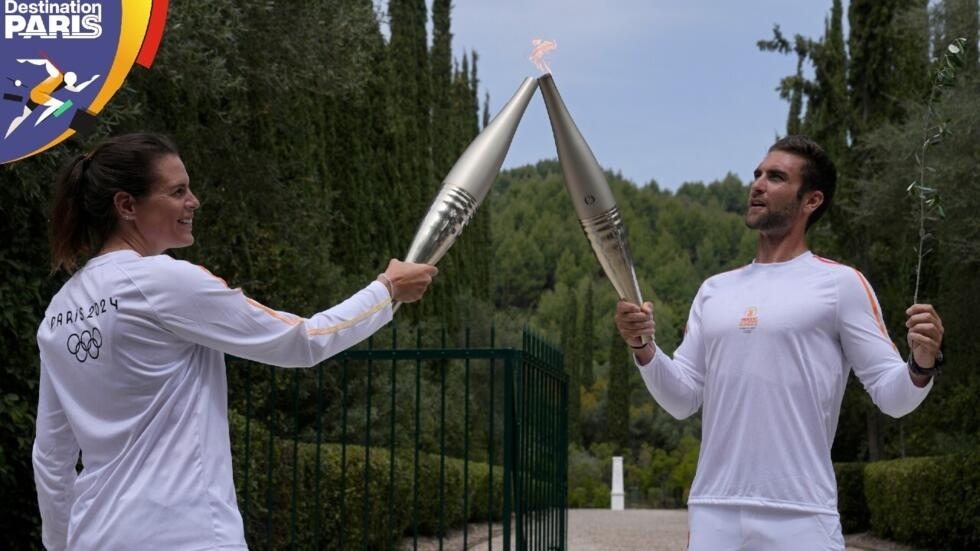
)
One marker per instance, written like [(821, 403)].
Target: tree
[(827, 111), (588, 338), (409, 161), (570, 338), (618, 397), (888, 48), (885, 64), (955, 19)]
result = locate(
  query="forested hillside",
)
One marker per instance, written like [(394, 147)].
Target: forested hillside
[(547, 276)]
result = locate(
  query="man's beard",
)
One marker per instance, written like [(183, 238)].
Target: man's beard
[(780, 219)]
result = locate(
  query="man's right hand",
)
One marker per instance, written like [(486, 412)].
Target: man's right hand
[(633, 323), (409, 280)]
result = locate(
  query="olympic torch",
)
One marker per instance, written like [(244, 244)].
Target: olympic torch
[(593, 200), (468, 182)]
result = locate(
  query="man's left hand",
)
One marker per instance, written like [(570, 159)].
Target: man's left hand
[(925, 333)]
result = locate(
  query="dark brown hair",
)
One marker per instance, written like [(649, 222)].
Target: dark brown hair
[(819, 172), (83, 214)]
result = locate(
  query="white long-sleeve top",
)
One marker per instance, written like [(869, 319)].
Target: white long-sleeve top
[(766, 352), (133, 375)]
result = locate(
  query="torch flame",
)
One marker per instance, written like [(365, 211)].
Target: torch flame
[(541, 47)]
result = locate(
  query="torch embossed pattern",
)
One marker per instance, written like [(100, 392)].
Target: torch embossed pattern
[(469, 181), (607, 235), (593, 200), (450, 212)]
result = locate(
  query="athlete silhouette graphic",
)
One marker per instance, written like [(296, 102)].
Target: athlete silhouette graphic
[(42, 93)]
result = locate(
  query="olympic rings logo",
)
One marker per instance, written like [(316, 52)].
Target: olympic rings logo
[(85, 345)]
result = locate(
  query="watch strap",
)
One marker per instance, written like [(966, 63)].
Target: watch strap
[(926, 371)]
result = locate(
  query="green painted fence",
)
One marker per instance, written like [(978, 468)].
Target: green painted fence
[(418, 443)]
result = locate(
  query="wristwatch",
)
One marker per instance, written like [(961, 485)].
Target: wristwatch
[(928, 372)]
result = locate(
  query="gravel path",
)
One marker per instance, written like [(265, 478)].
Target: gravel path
[(629, 530)]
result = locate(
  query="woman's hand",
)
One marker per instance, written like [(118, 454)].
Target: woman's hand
[(407, 281)]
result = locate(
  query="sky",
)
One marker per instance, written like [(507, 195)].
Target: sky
[(668, 90)]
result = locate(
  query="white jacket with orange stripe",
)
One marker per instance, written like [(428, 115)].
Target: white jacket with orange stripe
[(767, 352), (133, 375)]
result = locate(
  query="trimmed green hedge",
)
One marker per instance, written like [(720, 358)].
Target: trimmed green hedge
[(927, 502), (853, 508), (309, 506), (931, 502)]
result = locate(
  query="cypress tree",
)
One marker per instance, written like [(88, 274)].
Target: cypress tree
[(409, 116), (887, 72), (888, 45), (444, 150), (826, 118), (441, 301), (357, 129), (827, 121), (618, 395), (588, 338), (481, 258), (570, 339), (408, 160)]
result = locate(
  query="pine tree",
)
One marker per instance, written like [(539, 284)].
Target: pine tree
[(791, 88)]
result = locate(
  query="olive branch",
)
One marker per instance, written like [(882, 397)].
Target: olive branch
[(936, 129)]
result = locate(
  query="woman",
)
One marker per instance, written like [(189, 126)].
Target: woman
[(132, 358)]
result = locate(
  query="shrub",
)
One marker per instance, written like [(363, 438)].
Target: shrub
[(344, 497), (854, 515), (929, 502)]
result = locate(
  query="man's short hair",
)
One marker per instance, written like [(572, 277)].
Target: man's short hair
[(819, 172)]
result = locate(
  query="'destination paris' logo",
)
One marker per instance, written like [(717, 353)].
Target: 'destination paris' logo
[(62, 60)]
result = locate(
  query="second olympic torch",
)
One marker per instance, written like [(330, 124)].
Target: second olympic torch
[(468, 182), (594, 202)]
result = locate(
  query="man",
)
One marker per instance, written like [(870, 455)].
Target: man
[(766, 354)]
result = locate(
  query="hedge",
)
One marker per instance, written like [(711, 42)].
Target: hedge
[(851, 504), (326, 510), (931, 502)]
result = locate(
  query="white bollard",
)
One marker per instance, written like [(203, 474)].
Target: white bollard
[(618, 498)]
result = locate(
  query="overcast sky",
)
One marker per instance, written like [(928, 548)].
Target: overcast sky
[(665, 90)]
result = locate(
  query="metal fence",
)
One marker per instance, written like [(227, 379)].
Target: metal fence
[(417, 444)]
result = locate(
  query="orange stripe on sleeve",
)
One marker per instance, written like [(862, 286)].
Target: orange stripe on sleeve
[(296, 320), (320, 331), (285, 319), (874, 307), (351, 322)]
